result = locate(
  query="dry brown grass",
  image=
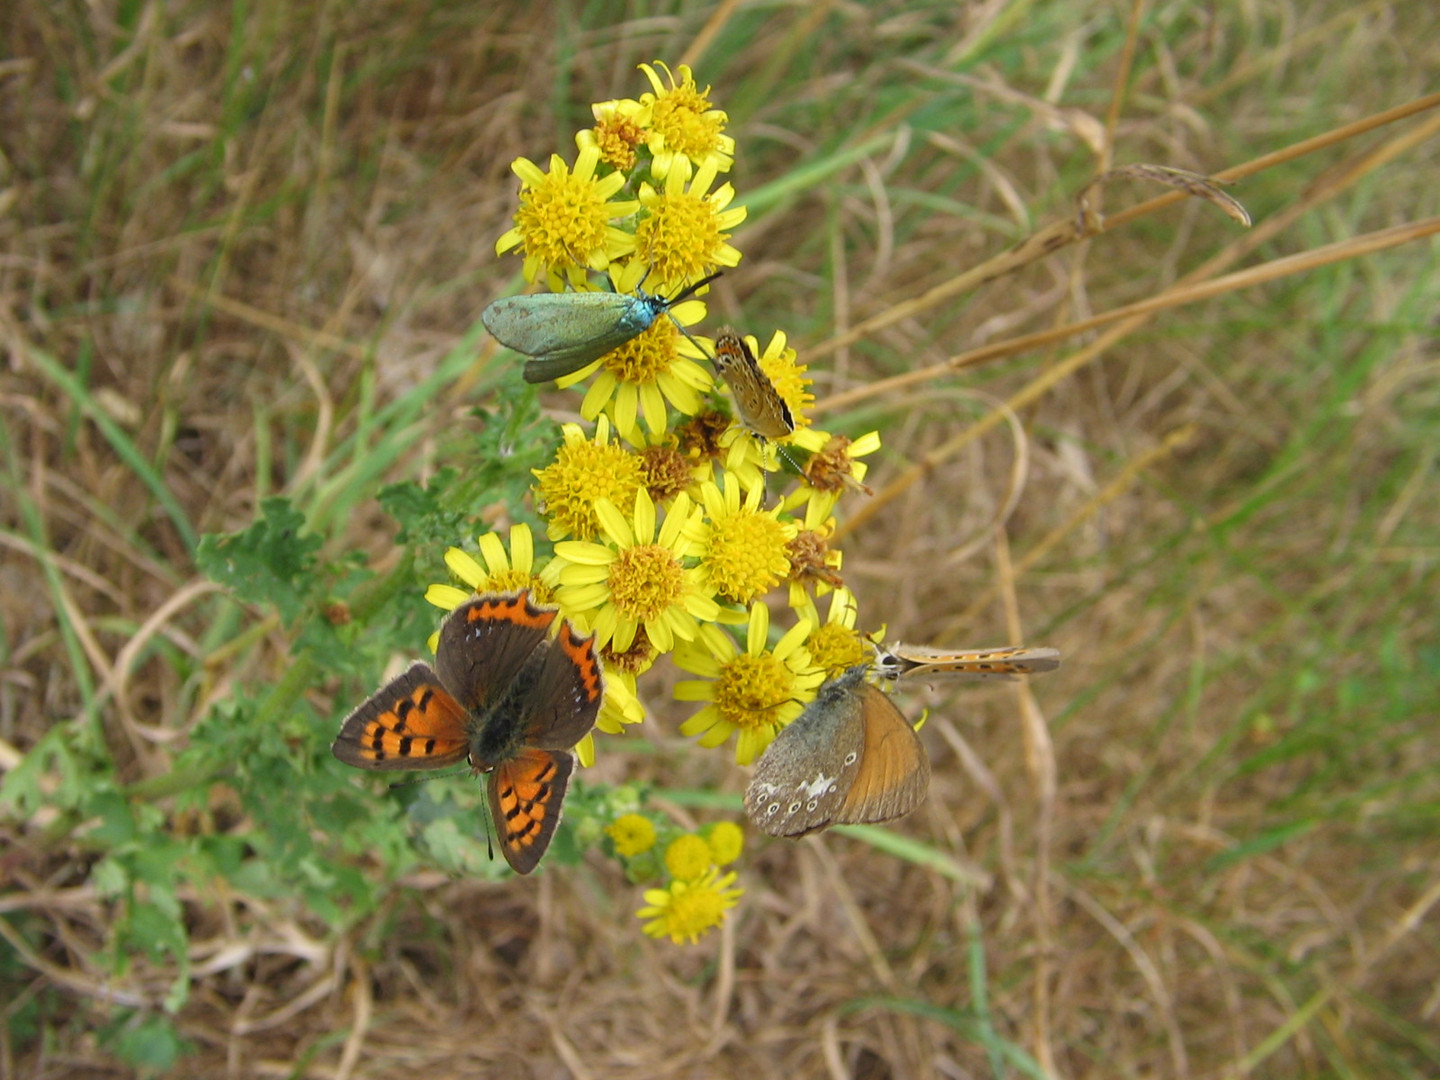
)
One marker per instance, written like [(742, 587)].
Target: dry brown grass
[(1205, 847)]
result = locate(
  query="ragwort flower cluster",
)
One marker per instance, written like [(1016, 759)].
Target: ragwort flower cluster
[(671, 525), (698, 891)]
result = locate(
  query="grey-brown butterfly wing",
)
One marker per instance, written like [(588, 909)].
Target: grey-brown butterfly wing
[(801, 779), (849, 757)]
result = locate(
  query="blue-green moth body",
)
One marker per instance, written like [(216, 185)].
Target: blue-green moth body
[(564, 332)]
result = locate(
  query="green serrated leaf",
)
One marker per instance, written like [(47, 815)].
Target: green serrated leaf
[(272, 562), (423, 512)]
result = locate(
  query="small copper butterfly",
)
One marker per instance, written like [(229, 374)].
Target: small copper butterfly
[(762, 410), (850, 757), (505, 695), (898, 661)]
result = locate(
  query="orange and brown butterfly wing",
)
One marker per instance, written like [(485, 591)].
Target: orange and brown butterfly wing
[(562, 706), (525, 796), (485, 643), (557, 710), (894, 774), (409, 723)]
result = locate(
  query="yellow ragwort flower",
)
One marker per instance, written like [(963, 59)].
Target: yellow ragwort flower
[(836, 646), (688, 909), (687, 857), (726, 840), (585, 471), (638, 577), (621, 706), (495, 570), (683, 235), (752, 694), (745, 547), (813, 562), (634, 660), (746, 458), (682, 127), (499, 573), (617, 132), (835, 466), (831, 469), (632, 834), (563, 225), (669, 470)]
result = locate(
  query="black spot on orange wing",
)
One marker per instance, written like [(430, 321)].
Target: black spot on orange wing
[(525, 796), (409, 723), (581, 651)]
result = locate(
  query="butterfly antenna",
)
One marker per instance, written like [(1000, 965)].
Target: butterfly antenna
[(790, 458), (684, 293), (691, 290), (764, 472), (581, 264), (780, 452), (489, 832), (783, 453)]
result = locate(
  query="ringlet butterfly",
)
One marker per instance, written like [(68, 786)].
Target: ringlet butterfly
[(850, 757)]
